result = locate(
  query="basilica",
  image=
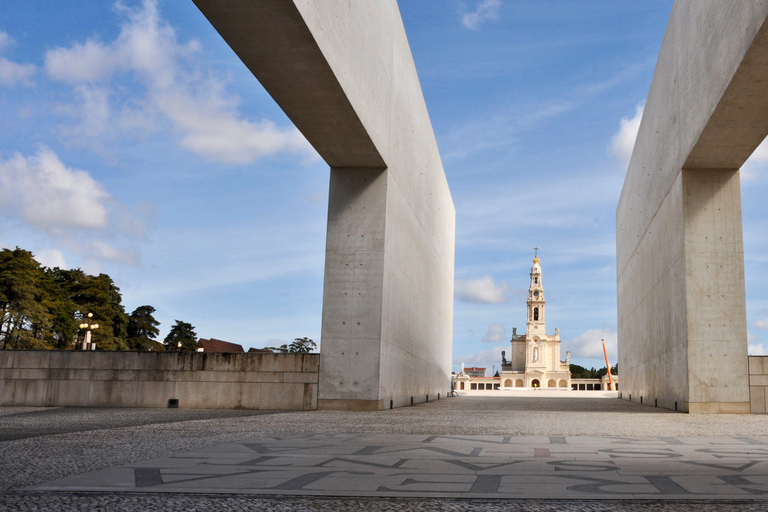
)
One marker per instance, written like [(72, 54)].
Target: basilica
[(534, 359)]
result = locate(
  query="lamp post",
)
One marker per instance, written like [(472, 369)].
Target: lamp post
[(89, 325)]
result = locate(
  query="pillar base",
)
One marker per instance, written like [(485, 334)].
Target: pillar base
[(352, 405), (719, 408)]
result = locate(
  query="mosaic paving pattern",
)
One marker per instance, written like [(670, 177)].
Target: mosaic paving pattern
[(522, 467)]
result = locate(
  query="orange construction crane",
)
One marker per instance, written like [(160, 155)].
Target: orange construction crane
[(608, 366)]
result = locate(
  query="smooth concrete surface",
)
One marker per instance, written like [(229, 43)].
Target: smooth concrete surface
[(680, 267), (344, 74), (149, 379), (758, 384)]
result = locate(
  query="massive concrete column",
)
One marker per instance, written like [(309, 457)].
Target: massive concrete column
[(681, 305), (344, 74)]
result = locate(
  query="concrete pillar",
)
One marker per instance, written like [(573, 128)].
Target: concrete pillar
[(682, 311), (344, 74), (350, 358), (716, 314), (680, 263)]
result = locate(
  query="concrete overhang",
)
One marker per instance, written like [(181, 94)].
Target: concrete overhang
[(274, 42), (739, 122)]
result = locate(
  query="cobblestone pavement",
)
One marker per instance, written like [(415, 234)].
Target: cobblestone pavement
[(43, 444), (207, 503)]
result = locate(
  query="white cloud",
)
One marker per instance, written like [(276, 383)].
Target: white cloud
[(87, 62), (204, 117), (101, 250), (5, 40), (51, 258), (496, 334), (762, 323), (45, 194), (482, 290), (754, 346), (588, 344), (12, 73), (623, 142), (483, 359), (756, 161), (486, 10)]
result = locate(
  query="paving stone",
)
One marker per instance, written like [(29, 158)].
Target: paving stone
[(43, 444)]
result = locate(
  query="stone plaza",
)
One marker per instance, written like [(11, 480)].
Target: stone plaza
[(587, 451)]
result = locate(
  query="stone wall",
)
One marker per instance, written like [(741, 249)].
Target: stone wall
[(758, 384), (150, 379)]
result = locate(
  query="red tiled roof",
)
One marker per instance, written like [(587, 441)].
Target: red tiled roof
[(214, 345)]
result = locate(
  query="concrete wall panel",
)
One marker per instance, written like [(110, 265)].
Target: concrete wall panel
[(682, 317)]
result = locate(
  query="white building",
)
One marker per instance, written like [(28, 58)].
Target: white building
[(535, 356)]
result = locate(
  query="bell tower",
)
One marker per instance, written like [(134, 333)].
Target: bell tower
[(536, 318)]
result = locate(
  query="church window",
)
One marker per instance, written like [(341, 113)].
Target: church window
[(535, 314), (473, 385), (535, 280)]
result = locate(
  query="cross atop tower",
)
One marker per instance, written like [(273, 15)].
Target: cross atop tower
[(537, 251)]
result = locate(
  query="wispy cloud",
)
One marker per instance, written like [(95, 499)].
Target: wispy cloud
[(496, 334), (200, 111), (623, 142), (588, 345), (13, 73), (762, 323), (754, 346), (68, 206), (482, 358), (482, 290), (51, 258), (46, 194), (756, 162), (486, 10)]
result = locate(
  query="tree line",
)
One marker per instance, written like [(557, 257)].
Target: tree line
[(42, 308), (579, 372)]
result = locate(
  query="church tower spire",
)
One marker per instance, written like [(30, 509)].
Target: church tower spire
[(536, 317)]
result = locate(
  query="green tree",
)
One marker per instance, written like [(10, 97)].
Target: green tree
[(64, 324), (142, 330), (181, 337), (24, 319), (301, 346), (579, 372), (298, 346), (98, 295)]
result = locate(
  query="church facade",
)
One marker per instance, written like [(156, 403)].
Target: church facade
[(534, 360)]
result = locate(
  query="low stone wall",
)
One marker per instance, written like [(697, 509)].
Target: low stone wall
[(198, 380), (758, 384)]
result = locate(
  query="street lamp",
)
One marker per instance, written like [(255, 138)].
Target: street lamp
[(89, 325)]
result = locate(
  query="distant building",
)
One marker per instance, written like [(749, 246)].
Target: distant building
[(601, 384), (535, 356), (474, 371), (214, 345)]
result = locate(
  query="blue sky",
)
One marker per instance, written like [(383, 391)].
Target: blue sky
[(135, 143)]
